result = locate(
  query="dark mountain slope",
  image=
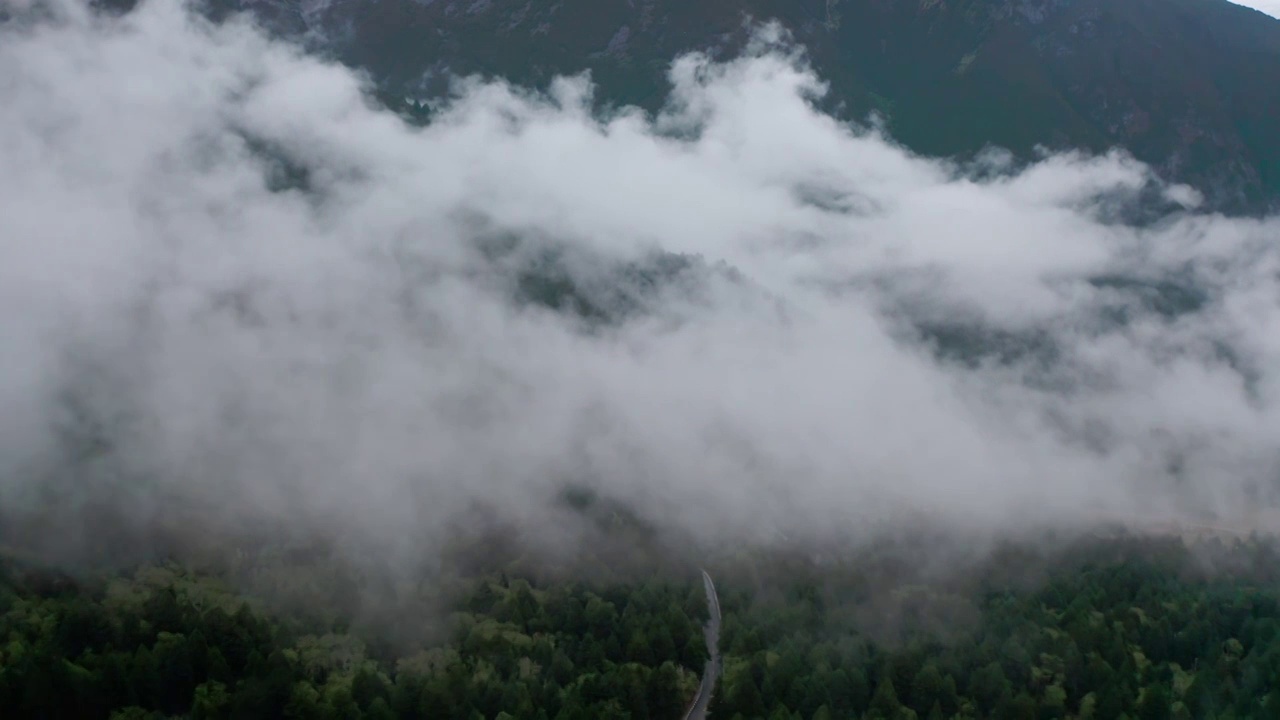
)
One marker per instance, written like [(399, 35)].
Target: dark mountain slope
[(1190, 86)]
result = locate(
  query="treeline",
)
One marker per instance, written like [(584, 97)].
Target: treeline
[(1133, 635), (1115, 632), (180, 647)]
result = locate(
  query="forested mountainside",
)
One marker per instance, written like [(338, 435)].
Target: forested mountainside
[(325, 420), (1188, 86), (1138, 629)]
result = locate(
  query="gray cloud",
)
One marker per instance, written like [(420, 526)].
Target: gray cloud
[(233, 279)]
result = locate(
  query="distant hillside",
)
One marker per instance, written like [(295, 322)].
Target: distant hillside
[(1190, 86)]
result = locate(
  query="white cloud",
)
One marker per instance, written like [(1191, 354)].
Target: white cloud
[(348, 353)]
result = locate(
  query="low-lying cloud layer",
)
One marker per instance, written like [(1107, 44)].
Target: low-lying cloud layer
[(226, 275)]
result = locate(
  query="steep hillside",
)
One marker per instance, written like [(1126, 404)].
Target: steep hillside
[(1190, 86)]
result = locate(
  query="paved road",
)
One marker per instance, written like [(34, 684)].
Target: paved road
[(698, 711)]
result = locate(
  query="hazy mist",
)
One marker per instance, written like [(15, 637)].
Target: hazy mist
[(228, 281)]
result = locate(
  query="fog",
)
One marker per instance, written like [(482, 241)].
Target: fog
[(230, 282)]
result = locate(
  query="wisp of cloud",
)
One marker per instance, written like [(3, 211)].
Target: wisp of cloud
[(229, 280)]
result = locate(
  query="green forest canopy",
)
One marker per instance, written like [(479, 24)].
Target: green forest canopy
[(1117, 628)]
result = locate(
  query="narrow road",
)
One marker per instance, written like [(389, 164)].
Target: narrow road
[(698, 711)]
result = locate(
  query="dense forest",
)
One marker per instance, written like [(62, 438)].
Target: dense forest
[(1144, 629)]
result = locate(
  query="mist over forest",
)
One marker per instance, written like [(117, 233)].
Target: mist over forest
[(257, 324)]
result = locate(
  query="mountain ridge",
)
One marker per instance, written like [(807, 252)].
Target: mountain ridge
[(1187, 86)]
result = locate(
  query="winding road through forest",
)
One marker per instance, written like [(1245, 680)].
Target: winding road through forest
[(702, 701)]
